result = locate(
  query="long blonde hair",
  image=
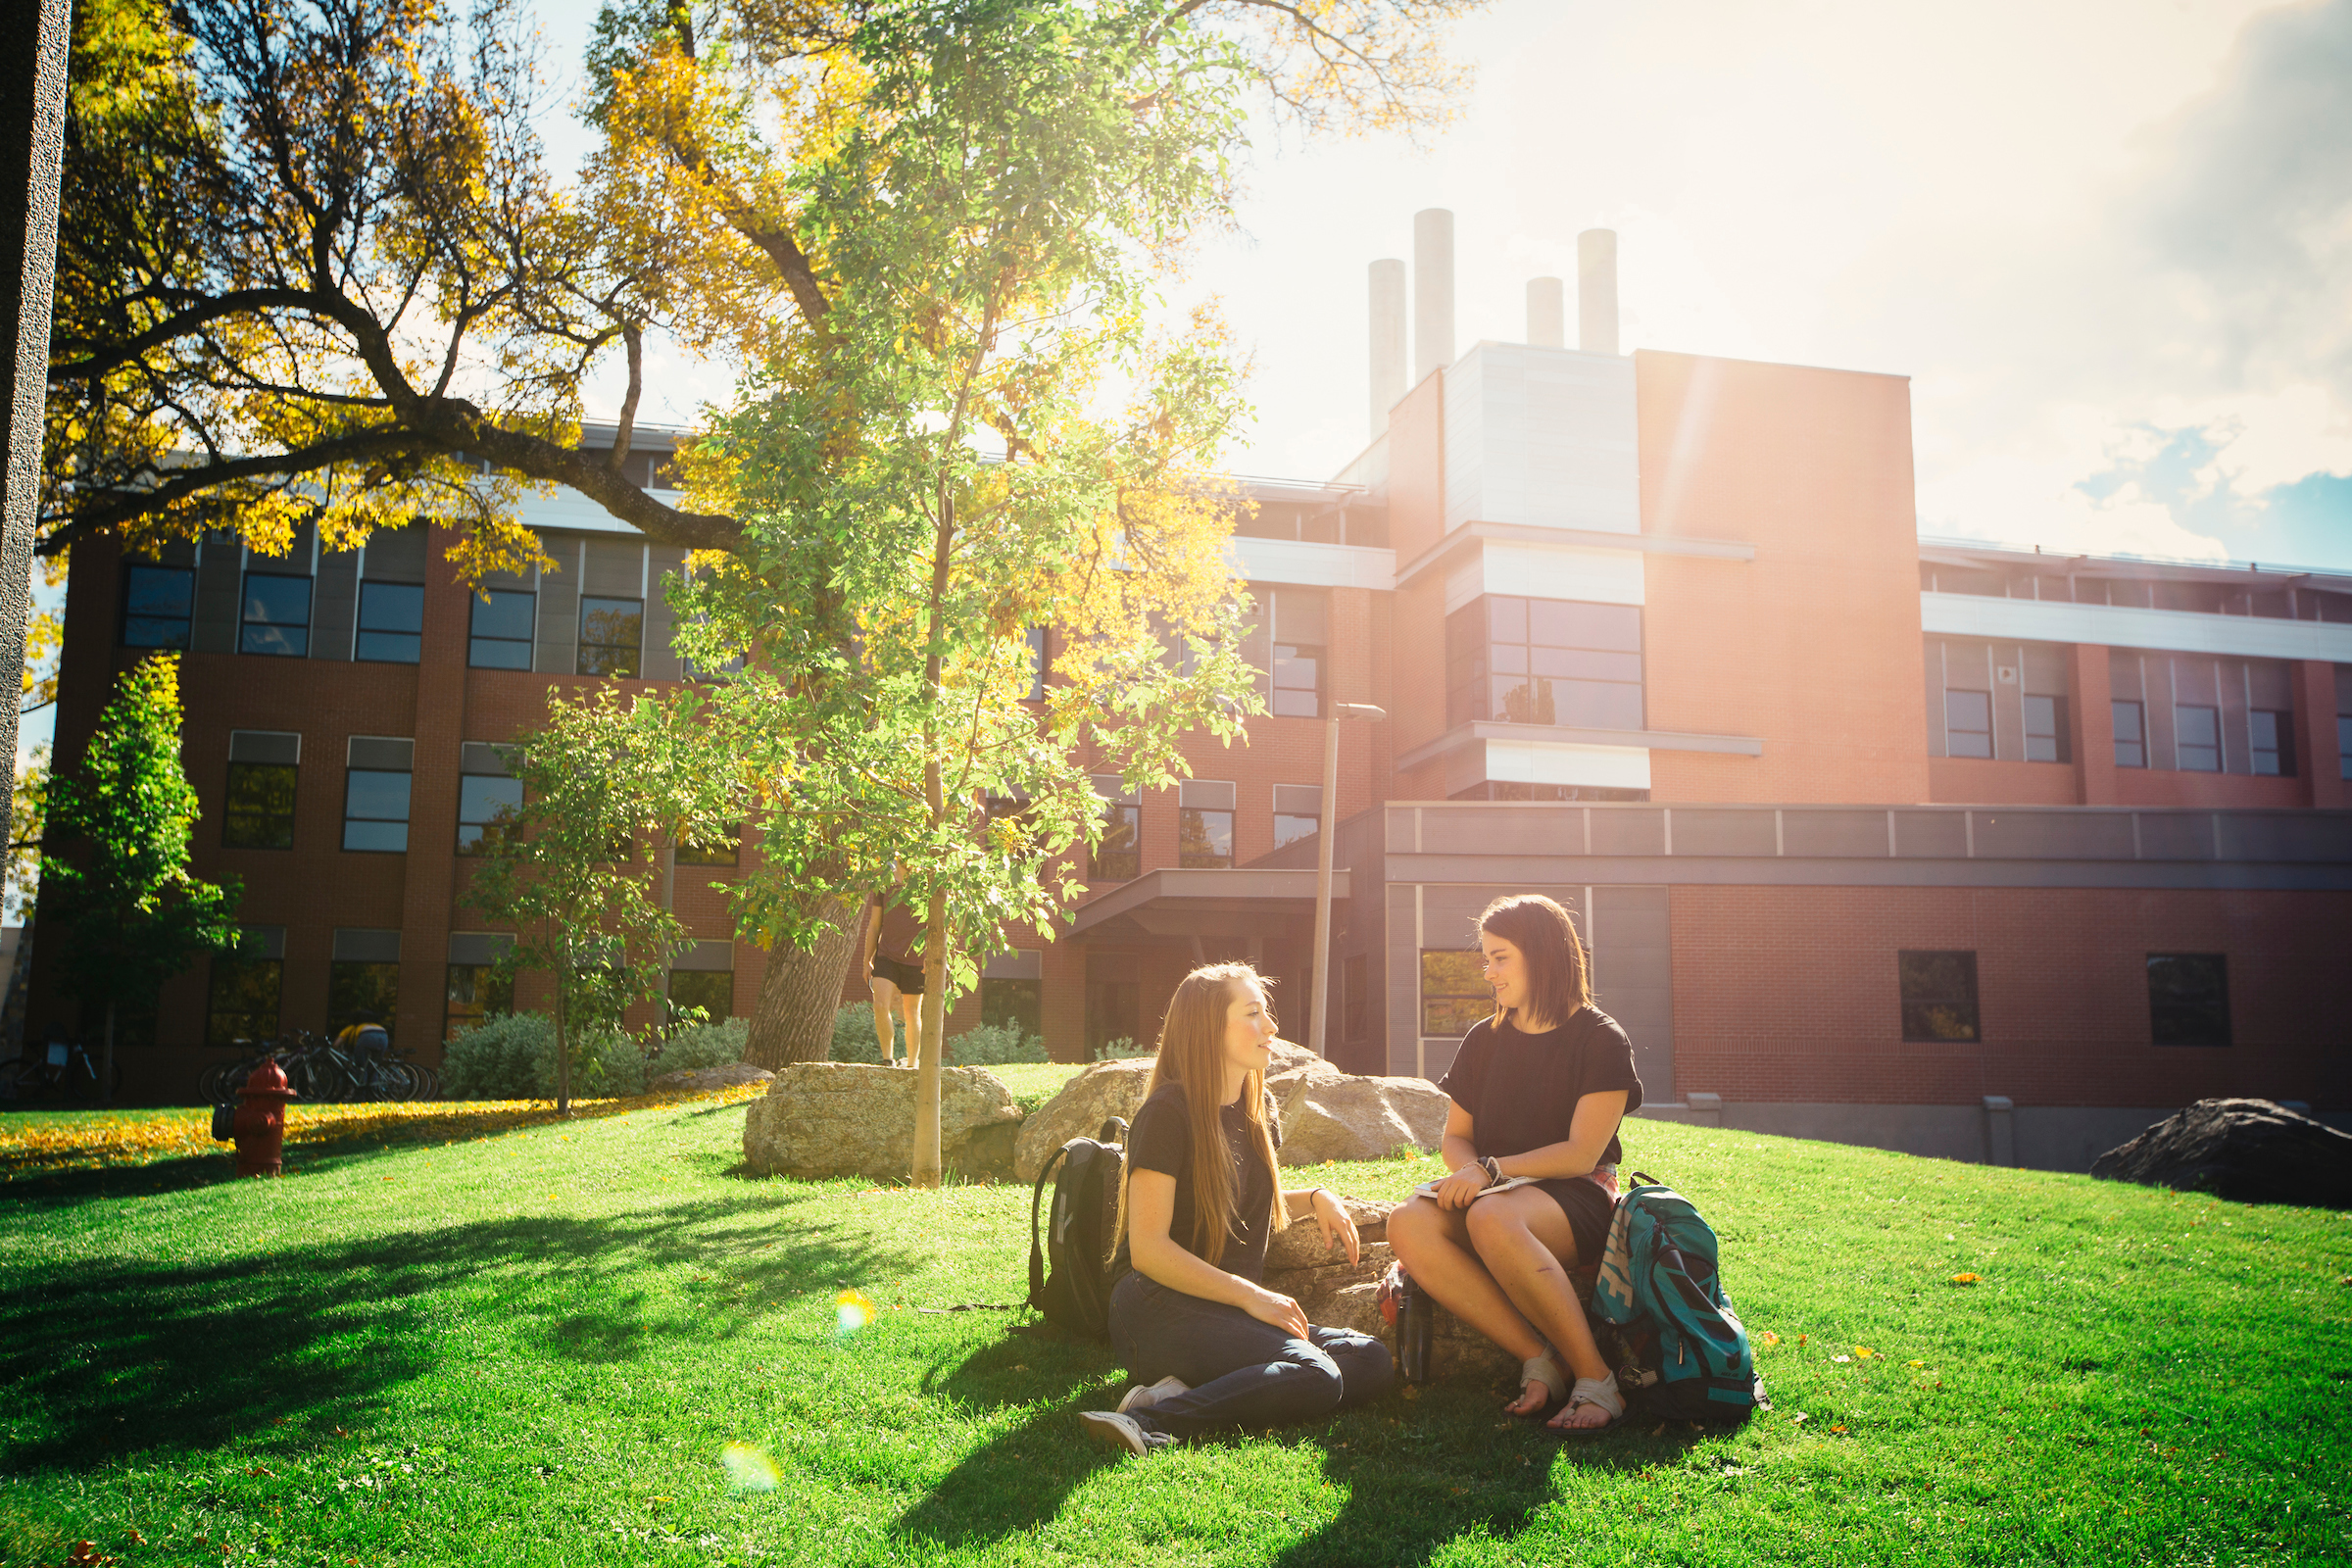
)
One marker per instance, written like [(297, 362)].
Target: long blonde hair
[(1191, 1053)]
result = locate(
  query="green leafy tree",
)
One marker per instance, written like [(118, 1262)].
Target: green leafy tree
[(569, 871), (117, 900)]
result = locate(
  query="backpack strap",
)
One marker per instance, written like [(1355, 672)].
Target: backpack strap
[(1037, 1251)]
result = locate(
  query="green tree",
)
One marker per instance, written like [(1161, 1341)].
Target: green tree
[(569, 871), (119, 901)]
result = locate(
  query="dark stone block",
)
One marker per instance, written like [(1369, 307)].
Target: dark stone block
[(2248, 1150)]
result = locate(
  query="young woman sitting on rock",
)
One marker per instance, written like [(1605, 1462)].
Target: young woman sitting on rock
[(1208, 1346), (1537, 1092)]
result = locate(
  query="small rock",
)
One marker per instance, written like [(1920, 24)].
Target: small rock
[(702, 1080), (839, 1118), (1102, 1091)]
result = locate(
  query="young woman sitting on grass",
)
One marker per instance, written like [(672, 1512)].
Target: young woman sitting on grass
[(1538, 1091), (1209, 1346)]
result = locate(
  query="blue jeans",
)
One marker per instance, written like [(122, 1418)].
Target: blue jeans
[(1241, 1372)]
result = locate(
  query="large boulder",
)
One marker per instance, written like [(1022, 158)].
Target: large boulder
[(1344, 1117), (1102, 1091), (2248, 1150), (840, 1118), (704, 1080), (1341, 1294)]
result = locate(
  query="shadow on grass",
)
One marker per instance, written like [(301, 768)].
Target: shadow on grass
[(1419, 1474), (124, 1357)]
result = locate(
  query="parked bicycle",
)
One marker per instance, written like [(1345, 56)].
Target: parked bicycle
[(360, 1064), (57, 1071)]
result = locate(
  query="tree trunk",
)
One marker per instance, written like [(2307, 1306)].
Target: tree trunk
[(926, 1171), (801, 992), (563, 1053)]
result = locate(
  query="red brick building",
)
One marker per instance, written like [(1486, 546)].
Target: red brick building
[(1970, 850)]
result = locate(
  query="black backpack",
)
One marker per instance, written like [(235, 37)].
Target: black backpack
[(1069, 1263)]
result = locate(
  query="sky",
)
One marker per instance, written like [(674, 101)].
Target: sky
[(2109, 241)]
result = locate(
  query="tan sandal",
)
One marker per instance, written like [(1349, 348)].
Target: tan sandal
[(1543, 1369), (1600, 1393)]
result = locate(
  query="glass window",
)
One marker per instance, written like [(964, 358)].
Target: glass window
[(241, 1001), (1939, 994), (1455, 994), (501, 637), (391, 623), (1119, 856), (2197, 739), (724, 850), (361, 993), (2274, 738), (1966, 723), (1204, 824), (1113, 999), (710, 990), (2131, 735), (2188, 999), (1545, 662), (1298, 812), (487, 806), (277, 614), (2047, 739), (376, 810), (156, 604), (1020, 1003), (258, 814), (612, 635), (2343, 744), (1298, 680), (475, 991)]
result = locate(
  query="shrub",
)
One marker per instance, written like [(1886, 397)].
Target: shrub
[(853, 1035), (1122, 1050), (710, 1044), (992, 1044), (513, 1057)]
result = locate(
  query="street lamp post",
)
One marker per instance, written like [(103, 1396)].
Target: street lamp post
[(1331, 813)]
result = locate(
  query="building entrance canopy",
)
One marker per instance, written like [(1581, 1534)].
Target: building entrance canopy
[(1174, 903)]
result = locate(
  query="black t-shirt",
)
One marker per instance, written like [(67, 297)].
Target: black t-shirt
[(1521, 1090), (1160, 1139)]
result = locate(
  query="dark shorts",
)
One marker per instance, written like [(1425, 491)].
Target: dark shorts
[(1588, 1209), (908, 977)]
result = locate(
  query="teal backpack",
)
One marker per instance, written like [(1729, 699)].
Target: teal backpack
[(1685, 1355)]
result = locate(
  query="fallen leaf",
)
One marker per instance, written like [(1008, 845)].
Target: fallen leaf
[(1800, 1338), (1801, 1416), (1964, 1279), (1915, 1363), (1836, 1429), (1842, 1358), (1863, 1352), (263, 1470), (1768, 1338), (136, 1539)]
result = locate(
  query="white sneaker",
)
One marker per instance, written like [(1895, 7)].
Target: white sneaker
[(1139, 1398), (1119, 1430)]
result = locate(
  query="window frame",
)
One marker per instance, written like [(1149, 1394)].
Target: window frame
[(636, 650), (2061, 741), (351, 775), (246, 624), (722, 979), (361, 631), (186, 622), (475, 637), (1953, 730), (1205, 817), (482, 831), (1915, 1006), (1494, 639), (229, 968), (229, 811), (481, 978), (1462, 992), (1123, 806), (340, 1010), (2139, 727), (2280, 751), (2181, 746)]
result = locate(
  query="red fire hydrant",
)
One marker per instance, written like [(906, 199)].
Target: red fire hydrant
[(261, 1125)]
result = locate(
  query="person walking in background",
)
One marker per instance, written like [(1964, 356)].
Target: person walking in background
[(1208, 1344), (894, 970), (1537, 1092)]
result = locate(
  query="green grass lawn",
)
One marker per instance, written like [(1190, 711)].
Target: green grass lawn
[(532, 1347)]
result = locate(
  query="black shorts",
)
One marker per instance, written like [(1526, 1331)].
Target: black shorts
[(1589, 1209), (908, 977)]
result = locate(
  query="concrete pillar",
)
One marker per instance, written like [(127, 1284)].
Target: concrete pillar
[(1387, 289), (1433, 291), (2000, 1131), (1596, 290), (2090, 720), (1706, 1111), (2317, 761), (1546, 313)]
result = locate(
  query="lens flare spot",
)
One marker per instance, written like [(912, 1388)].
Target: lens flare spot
[(852, 1311), (747, 1469)]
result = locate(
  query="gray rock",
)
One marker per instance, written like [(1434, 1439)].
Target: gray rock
[(1102, 1091), (1300, 1244), (2248, 1150), (1344, 1295), (702, 1080), (1342, 1117), (838, 1119)]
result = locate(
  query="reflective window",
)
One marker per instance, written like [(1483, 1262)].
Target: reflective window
[(391, 623), (501, 634), (2047, 739), (158, 603), (1939, 994), (1020, 1003), (1966, 723), (241, 1000), (1545, 662), (1298, 812), (2274, 742), (376, 810), (276, 614), (611, 636), (259, 812), (1204, 824), (361, 993), (487, 806), (722, 848), (474, 993), (1119, 856), (2197, 739), (2131, 735), (1455, 994), (710, 990)]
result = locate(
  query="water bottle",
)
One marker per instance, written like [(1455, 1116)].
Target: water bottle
[(1416, 1316)]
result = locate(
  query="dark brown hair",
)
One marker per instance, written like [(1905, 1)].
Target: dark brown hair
[(1191, 1053), (1558, 984)]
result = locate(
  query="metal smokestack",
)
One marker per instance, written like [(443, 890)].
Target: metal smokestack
[(1387, 281), (1596, 290), (1546, 313), (1433, 291)]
